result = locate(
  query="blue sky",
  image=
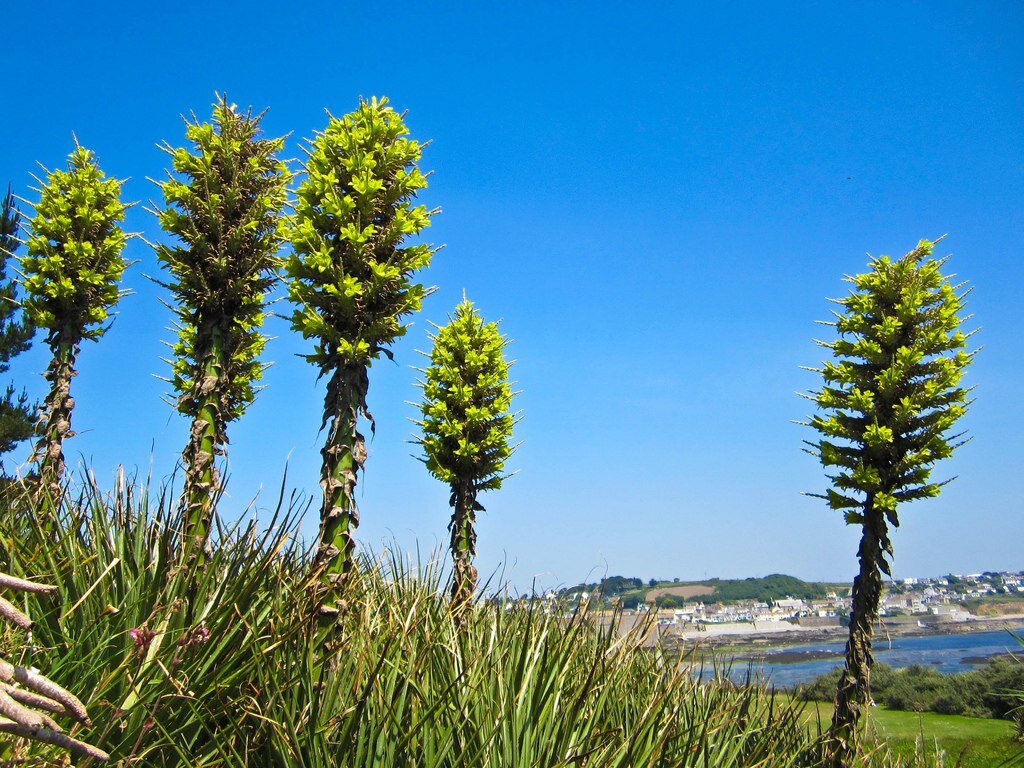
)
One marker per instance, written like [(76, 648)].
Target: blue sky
[(655, 200)]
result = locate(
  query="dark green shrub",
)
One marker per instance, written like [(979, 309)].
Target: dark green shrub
[(988, 691), (670, 601), (17, 414)]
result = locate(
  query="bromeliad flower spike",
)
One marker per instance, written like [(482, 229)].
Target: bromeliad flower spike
[(467, 425), (224, 206), (351, 279), (889, 399), (73, 270)]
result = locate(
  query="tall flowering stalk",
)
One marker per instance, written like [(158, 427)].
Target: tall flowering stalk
[(73, 270), (351, 280), (890, 396), (224, 202), (466, 427)]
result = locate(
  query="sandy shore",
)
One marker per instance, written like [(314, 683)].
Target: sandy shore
[(781, 633), (784, 633)]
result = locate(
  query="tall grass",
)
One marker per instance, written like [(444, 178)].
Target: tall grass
[(235, 677)]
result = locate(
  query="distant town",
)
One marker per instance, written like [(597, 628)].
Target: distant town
[(791, 603)]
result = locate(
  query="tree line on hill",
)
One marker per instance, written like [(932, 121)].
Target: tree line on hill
[(629, 592)]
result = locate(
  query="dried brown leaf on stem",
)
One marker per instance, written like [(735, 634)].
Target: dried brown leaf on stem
[(23, 691)]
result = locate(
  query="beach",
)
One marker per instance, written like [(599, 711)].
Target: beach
[(770, 634)]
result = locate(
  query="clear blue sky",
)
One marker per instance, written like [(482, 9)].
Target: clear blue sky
[(657, 202)]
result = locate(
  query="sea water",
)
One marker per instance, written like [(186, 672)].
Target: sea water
[(946, 653)]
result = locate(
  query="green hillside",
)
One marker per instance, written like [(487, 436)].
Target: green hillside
[(630, 591), (773, 587)]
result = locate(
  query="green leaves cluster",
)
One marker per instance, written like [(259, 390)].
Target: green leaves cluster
[(74, 264), (467, 418), (350, 275), (892, 391), (225, 207)]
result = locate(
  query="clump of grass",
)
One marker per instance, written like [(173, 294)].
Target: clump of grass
[(238, 680), (162, 690), (515, 687)]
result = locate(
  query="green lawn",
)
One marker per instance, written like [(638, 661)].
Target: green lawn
[(977, 742)]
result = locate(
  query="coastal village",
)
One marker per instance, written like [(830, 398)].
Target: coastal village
[(911, 603)]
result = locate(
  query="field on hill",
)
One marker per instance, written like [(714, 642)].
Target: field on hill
[(685, 591), (773, 587), (995, 605)]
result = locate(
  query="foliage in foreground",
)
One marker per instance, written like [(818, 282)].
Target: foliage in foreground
[(243, 684), (31, 703), (988, 691)]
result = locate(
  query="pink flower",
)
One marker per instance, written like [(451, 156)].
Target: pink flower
[(200, 634), (197, 636), (142, 637)]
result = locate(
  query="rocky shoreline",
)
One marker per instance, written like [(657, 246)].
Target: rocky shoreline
[(747, 638)]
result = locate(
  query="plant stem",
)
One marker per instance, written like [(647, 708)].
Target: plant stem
[(205, 439), (343, 455), (853, 694), (56, 417), (463, 545)]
